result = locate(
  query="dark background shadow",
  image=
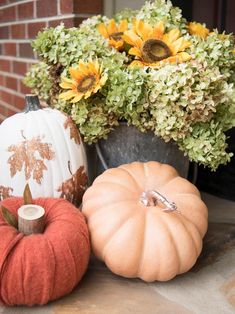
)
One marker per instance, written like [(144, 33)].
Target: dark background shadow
[(216, 14)]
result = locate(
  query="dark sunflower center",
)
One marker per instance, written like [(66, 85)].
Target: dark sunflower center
[(155, 50), (116, 36), (86, 83)]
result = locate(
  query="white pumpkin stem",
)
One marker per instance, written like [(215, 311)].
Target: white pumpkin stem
[(31, 219), (32, 103), (152, 198)]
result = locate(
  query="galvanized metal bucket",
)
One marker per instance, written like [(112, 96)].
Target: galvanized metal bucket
[(126, 144)]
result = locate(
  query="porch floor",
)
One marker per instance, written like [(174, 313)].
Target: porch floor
[(208, 288)]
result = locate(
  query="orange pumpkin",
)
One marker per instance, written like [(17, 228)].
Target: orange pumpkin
[(145, 221)]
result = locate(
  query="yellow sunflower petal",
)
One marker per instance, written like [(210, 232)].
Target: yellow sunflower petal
[(78, 97), (175, 46), (98, 67), (67, 80), (123, 26), (95, 90), (137, 63), (103, 30), (172, 59), (112, 28), (155, 64), (159, 30), (67, 95), (142, 64), (66, 85), (180, 57), (116, 43), (185, 44), (75, 73), (83, 67), (103, 79), (179, 45), (87, 94), (144, 30), (93, 67), (171, 36), (134, 25), (132, 39), (184, 56), (135, 52), (198, 29)]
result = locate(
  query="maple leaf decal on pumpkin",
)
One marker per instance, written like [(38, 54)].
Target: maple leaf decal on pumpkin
[(30, 155), (74, 188), (5, 192), (72, 129)]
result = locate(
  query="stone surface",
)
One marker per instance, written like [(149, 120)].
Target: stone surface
[(101, 292), (208, 288)]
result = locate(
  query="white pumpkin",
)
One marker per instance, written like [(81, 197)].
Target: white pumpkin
[(42, 147)]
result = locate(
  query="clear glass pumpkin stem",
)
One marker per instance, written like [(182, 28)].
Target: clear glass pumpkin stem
[(152, 198)]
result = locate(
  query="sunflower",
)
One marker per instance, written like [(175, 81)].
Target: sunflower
[(113, 33), (152, 46), (198, 29), (85, 80)]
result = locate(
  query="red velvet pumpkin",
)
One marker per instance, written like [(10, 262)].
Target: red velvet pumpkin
[(38, 268), (134, 225)]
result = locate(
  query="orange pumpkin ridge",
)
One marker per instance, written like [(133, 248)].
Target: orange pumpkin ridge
[(153, 236)]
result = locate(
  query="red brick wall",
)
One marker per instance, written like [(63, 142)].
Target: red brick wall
[(20, 21)]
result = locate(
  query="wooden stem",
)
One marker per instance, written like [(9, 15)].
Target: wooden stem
[(31, 219)]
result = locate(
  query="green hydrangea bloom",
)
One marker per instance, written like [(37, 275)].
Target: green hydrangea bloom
[(206, 145), (38, 80), (216, 50), (181, 95), (192, 103), (67, 46), (93, 119), (126, 14), (162, 10)]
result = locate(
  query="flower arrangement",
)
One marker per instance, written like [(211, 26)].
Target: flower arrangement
[(150, 68)]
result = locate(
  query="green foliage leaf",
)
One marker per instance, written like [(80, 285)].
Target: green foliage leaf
[(9, 217)]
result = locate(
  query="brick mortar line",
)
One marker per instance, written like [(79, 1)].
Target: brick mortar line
[(58, 7), (26, 31), (8, 106), (5, 6), (12, 58), (34, 9), (45, 19), (13, 75), (18, 84), (17, 50), (7, 40), (16, 12), (11, 91)]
